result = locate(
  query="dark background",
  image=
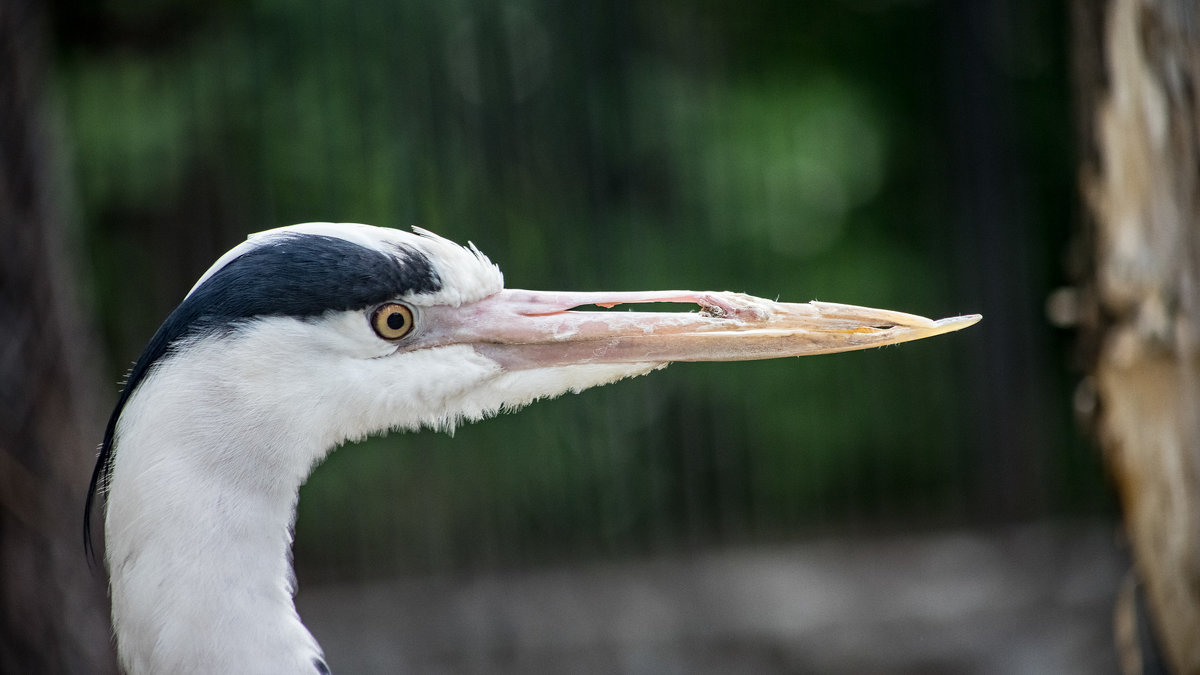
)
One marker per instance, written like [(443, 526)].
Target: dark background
[(908, 154)]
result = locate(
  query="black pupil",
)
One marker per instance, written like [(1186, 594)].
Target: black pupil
[(395, 320)]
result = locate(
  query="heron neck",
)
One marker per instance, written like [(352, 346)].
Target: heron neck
[(199, 544)]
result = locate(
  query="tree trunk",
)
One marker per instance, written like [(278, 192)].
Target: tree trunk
[(1137, 66), (53, 612)]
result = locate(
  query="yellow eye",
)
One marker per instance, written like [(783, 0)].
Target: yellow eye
[(392, 321)]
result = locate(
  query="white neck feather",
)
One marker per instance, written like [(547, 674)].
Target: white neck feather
[(199, 532)]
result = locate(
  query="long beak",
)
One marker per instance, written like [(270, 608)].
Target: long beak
[(531, 329)]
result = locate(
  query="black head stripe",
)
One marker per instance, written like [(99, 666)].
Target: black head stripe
[(307, 275), (300, 275)]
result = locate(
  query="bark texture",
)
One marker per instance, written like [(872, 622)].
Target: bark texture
[(53, 612), (1138, 70)]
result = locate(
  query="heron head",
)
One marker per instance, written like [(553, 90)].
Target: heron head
[(311, 335)]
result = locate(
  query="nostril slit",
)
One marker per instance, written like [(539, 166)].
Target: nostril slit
[(645, 307)]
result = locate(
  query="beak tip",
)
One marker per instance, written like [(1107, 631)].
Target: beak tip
[(957, 322)]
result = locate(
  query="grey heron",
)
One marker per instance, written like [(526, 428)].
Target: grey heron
[(305, 337)]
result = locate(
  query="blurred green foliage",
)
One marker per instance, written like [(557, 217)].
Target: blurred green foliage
[(782, 148)]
